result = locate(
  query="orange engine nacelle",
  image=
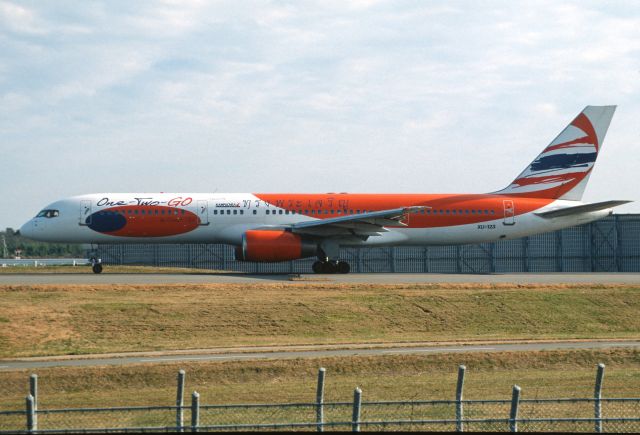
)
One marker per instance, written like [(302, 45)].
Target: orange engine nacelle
[(277, 245)]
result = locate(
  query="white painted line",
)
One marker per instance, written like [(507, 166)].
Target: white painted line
[(439, 349), (4, 367)]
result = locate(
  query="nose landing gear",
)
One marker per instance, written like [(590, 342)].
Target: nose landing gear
[(327, 267), (96, 265)]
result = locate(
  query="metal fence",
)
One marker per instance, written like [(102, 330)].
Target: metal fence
[(593, 414), (42, 262), (608, 245)]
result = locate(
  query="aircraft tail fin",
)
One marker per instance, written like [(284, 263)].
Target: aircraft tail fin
[(562, 170)]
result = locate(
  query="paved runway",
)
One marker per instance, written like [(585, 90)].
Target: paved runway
[(373, 278), (252, 354)]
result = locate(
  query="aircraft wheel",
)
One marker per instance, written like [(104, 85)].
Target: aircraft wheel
[(328, 267), (317, 267), (343, 267), (97, 268)]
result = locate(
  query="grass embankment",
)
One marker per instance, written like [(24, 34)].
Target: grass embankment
[(82, 319), (86, 269), (407, 377)]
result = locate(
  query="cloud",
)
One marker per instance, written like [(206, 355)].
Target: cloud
[(247, 96)]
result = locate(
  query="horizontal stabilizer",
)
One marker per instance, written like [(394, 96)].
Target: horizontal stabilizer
[(578, 209)]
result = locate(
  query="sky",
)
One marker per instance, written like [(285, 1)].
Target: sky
[(306, 96)]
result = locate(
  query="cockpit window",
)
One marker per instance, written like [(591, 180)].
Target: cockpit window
[(49, 213)]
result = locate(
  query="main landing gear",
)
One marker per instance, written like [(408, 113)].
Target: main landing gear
[(331, 267)]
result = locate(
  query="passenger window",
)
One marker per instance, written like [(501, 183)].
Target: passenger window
[(266, 211), (452, 211), (235, 212), (286, 212), (215, 212), (255, 212), (313, 212), (228, 211)]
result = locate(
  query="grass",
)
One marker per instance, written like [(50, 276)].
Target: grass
[(42, 320), (547, 374)]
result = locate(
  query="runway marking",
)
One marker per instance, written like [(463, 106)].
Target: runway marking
[(445, 349), (4, 367)]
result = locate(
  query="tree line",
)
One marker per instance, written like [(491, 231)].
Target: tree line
[(17, 245)]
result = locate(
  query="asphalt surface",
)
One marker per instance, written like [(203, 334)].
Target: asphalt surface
[(239, 354), (371, 278)]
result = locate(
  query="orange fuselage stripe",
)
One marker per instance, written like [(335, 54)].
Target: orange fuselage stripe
[(466, 206)]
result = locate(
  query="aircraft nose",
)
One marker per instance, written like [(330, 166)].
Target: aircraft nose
[(27, 229)]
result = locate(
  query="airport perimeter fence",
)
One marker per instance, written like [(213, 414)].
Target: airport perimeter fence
[(593, 414), (611, 244)]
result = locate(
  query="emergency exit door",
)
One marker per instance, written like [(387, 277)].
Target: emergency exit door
[(509, 212), (203, 212)]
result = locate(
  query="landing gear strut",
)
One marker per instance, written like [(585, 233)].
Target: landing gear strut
[(327, 267)]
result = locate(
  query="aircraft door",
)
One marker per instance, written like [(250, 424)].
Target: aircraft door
[(509, 212), (85, 212), (203, 212)]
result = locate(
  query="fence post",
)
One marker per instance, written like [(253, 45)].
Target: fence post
[(180, 401), (320, 399), (357, 404), (33, 390), (32, 422), (597, 395), (515, 402), (459, 387), (195, 411)]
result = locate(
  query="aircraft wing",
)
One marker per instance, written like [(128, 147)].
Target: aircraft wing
[(363, 224), (584, 208)]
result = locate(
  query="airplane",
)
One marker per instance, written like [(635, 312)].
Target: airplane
[(273, 227)]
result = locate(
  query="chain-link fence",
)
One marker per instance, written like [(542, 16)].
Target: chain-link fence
[(608, 245), (594, 414)]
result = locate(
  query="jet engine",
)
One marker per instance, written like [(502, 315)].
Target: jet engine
[(276, 245)]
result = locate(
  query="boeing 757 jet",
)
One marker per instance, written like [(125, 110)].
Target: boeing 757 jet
[(271, 227)]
